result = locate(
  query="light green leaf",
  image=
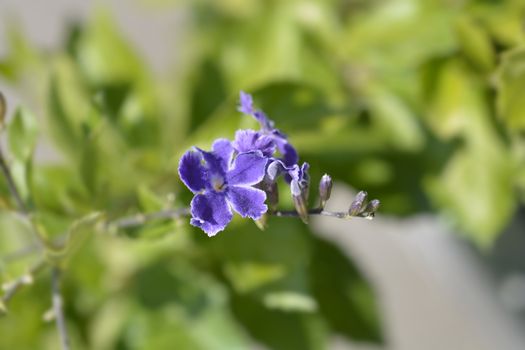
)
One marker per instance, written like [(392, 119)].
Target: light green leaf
[(76, 235), (511, 84), (22, 134), (249, 276), (475, 43), (475, 187), (290, 301)]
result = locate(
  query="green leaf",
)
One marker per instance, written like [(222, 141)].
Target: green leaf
[(249, 276), (345, 298), (22, 134), (76, 235), (290, 301), (149, 201), (475, 43), (279, 329), (16, 236), (475, 188), (180, 301), (511, 84)]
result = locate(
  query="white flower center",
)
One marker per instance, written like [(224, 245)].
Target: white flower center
[(217, 182)]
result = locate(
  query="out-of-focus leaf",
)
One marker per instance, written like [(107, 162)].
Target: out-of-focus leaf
[(502, 19), (475, 187), (196, 305), (22, 135), (148, 200), (344, 297), (475, 43), (209, 92), (61, 125), (23, 60), (103, 54), (511, 84), (76, 235), (274, 328), (16, 235), (396, 123), (249, 276), (290, 301)]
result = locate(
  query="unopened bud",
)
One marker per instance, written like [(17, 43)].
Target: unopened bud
[(357, 205), (301, 206), (262, 223), (325, 189), (3, 109), (272, 194), (372, 207)]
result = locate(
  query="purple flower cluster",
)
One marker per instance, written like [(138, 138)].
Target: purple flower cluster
[(239, 175)]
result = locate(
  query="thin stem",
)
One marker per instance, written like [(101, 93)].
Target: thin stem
[(11, 184), (140, 219), (20, 253), (319, 211), (12, 288), (58, 308)]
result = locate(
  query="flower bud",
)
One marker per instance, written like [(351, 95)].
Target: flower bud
[(301, 206), (272, 194), (371, 208), (262, 223), (357, 205), (299, 187), (325, 189)]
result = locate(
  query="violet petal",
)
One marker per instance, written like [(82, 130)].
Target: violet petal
[(192, 172), (247, 201), (210, 212), (248, 169)]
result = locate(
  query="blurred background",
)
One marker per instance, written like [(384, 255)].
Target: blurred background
[(418, 102)]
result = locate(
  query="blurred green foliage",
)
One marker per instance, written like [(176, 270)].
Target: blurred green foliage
[(418, 102)]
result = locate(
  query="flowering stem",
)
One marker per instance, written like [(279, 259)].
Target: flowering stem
[(58, 309), (319, 211)]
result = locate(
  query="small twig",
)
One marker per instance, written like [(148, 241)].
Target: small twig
[(11, 184), (140, 219), (12, 288), (20, 253), (58, 308), (318, 211)]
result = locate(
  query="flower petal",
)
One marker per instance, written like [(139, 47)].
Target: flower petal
[(248, 169), (223, 149), (192, 172), (300, 179), (251, 140), (210, 212), (213, 164), (247, 201), (276, 168), (288, 152), (245, 103), (266, 124)]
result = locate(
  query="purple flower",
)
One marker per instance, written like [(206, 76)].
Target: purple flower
[(250, 140), (221, 182), (299, 175), (288, 152)]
